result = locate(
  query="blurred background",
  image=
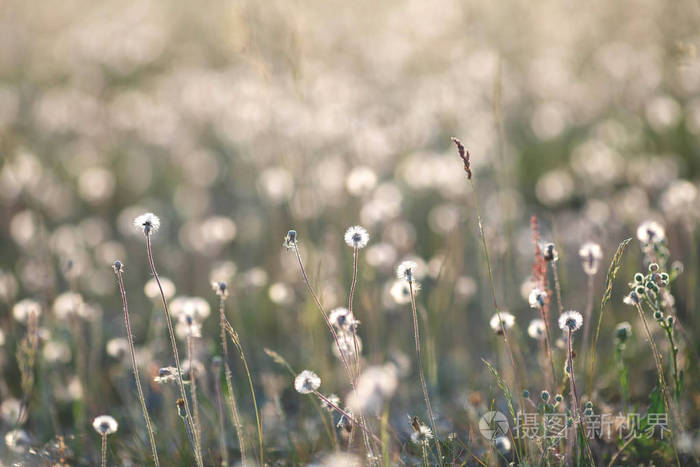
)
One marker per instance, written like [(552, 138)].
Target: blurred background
[(236, 121)]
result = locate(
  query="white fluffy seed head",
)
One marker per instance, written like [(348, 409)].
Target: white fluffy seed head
[(406, 270), (570, 320), (147, 223), (356, 237), (307, 382), (422, 435), (504, 317), (105, 425), (537, 298), (650, 232), (591, 255), (536, 329)]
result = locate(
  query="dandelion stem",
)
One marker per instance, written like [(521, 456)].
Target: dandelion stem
[(196, 446), (229, 384), (353, 285), (135, 368), (574, 394), (323, 312), (104, 450), (416, 334)]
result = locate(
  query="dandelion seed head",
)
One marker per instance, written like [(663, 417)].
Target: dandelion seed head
[(422, 435), (17, 441), (307, 382), (117, 347), (506, 318), (290, 240), (401, 292), (570, 321), (152, 290), (550, 253), (536, 329), (166, 375), (69, 304), (537, 298), (341, 459), (342, 319), (26, 308), (105, 425), (187, 326), (196, 308), (220, 289), (374, 387), (631, 299), (10, 410), (346, 344), (650, 232), (590, 254), (333, 399), (147, 223), (406, 270), (56, 351), (356, 237), (118, 266)]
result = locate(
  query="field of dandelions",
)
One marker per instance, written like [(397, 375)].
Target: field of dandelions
[(396, 233)]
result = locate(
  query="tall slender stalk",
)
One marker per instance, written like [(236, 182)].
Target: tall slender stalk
[(234, 337), (421, 373), (291, 243), (343, 357), (229, 384), (196, 445), (216, 369), (574, 394), (104, 450), (193, 384), (119, 271), (586, 326), (353, 285), (465, 156)]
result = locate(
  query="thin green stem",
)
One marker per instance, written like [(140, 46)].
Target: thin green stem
[(196, 446), (493, 296), (135, 368), (416, 334)]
